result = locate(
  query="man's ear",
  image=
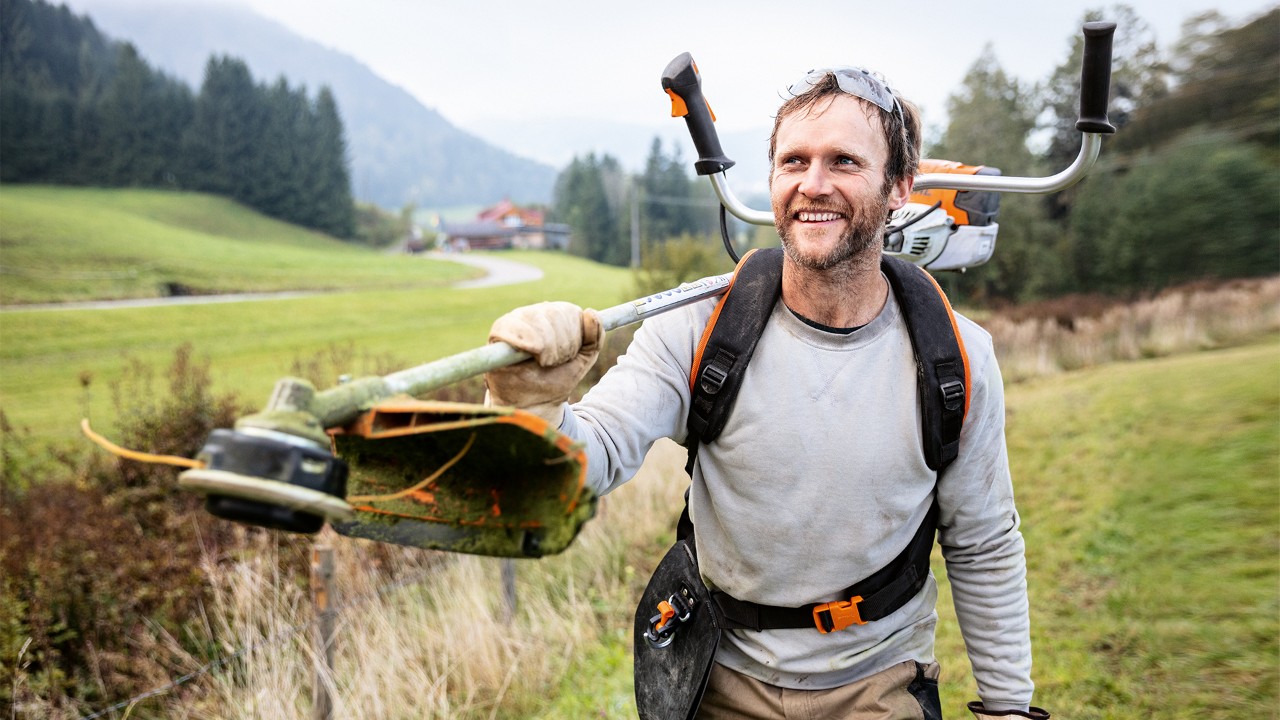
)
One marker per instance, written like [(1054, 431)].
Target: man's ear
[(900, 192)]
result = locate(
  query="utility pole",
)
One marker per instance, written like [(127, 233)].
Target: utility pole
[(635, 225)]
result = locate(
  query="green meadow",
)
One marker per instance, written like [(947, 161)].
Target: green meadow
[(64, 244), (388, 311)]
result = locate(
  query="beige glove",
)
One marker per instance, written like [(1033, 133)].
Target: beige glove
[(564, 341), (981, 713)]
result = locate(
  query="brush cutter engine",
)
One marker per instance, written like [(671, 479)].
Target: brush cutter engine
[(944, 228)]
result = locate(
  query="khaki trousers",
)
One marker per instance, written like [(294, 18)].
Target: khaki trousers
[(901, 692)]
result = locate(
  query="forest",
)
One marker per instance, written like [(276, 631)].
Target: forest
[(80, 109)]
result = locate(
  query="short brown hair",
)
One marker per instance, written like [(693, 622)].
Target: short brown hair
[(901, 132)]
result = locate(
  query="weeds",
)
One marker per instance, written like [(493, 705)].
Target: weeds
[(1065, 337)]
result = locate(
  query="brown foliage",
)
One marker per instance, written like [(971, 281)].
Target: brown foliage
[(99, 557)]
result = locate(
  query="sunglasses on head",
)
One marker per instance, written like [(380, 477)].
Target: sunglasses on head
[(856, 81)]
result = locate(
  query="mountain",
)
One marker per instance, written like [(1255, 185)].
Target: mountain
[(400, 150), (559, 140)]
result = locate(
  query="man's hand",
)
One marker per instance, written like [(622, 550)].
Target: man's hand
[(981, 713), (564, 341)]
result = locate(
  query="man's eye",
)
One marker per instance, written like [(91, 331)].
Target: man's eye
[(843, 160)]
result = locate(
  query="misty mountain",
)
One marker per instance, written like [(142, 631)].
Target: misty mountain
[(400, 150), (560, 140)]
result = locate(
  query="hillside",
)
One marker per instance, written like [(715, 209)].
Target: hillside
[(384, 312), (400, 150), (63, 244)]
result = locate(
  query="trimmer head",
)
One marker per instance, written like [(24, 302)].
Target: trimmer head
[(463, 478)]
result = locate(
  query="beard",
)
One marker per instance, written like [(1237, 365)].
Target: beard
[(865, 231)]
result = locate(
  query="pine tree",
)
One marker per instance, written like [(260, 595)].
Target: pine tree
[(330, 180)]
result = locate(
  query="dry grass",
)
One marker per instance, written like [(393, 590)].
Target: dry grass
[(1178, 320), (437, 645)]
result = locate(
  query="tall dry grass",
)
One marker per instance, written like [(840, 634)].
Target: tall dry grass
[(435, 644), (1178, 320)]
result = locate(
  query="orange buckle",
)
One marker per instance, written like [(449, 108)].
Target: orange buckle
[(838, 615), (667, 612)]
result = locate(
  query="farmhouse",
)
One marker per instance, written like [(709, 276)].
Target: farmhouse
[(505, 226)]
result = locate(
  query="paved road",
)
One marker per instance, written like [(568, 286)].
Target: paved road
[(499, 272)]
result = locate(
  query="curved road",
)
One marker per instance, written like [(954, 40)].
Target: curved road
[(499, 272)]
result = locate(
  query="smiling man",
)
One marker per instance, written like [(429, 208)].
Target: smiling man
[(814, 502)]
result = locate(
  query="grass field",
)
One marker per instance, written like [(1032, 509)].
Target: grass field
[(400, 312), (60, 244)]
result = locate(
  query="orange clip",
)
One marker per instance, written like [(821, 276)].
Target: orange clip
[(667, 611), (838, 615)]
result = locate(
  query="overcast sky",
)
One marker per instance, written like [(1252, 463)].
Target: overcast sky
[(483, 63)]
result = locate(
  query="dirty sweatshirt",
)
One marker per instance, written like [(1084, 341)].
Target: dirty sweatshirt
[(817, 481)]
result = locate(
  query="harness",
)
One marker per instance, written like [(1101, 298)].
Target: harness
[(942, 379), (675, 649)]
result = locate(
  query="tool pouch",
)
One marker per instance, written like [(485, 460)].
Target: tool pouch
[(673, 655)]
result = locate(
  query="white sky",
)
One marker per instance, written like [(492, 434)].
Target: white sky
[(480, 60), (550, 80)]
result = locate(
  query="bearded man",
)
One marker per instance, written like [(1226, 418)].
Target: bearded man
[(819, 478)]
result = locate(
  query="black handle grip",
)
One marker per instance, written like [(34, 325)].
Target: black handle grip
[(684, 85), (1095, 78)]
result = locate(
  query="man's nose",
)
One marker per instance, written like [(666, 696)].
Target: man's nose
[(816, 181)]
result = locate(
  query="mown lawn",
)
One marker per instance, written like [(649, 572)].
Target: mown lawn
[(44, 354)]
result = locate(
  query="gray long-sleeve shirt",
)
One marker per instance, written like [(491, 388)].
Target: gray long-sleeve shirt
[(818, 480)]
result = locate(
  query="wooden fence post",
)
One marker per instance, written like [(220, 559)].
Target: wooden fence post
[(508, 590), (322, 599)]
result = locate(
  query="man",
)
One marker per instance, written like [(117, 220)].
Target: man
[(819, 477)]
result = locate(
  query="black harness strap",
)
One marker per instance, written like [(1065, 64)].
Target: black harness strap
[(942, 381), (727, 347), (942, 372)]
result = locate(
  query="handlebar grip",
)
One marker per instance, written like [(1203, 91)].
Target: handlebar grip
[(683, 83), (1095, 78)]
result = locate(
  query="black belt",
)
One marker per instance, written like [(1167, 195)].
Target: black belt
[(877, 596)]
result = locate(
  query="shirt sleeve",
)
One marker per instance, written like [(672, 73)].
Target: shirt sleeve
[(981, 542), (644, 398)]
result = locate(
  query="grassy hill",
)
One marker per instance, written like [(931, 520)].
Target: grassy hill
[(61, 244), (384, 312)]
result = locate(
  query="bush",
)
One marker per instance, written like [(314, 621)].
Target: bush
[(100, 558), (665, 265)]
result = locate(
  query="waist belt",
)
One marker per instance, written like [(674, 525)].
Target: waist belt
[(877, 596)]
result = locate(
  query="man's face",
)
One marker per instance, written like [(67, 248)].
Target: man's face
[(827, 183)]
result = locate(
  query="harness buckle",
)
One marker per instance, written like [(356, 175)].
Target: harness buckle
[(952, 394), (838, 615), (713, 378)]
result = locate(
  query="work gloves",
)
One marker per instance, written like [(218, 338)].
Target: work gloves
[(981, 713), (564, 341)]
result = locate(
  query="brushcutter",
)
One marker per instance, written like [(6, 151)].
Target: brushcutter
[(376, 463)]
